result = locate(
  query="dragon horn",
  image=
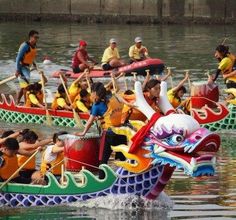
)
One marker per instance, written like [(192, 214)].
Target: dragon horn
[(164, 103), (141, 103)]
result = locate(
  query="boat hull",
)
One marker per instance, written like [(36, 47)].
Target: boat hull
[(156, 66)]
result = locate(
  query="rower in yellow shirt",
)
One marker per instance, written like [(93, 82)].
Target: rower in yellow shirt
[(60, 101), (75, 86), (111, 57), (138, 52), (175, 94), (82, 102), (231, 98), (226, 66)]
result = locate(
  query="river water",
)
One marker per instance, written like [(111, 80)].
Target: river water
[(182, 47)]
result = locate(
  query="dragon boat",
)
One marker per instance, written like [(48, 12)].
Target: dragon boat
[(11, 113), (212, 115), (169, 142), (155, 66)]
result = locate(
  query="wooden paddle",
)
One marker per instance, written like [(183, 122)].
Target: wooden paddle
[(7, 79), (113, 83), (126, 86), (17, 171), (223, 42), (87, 80), (134, 75), (48, 116), (76, 116), (171, 79)]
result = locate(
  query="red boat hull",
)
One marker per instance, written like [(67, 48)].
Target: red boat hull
[(156, 66)]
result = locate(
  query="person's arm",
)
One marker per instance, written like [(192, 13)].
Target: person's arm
[(145, 52), (233, 73), (181, 83), (14, 135), (62, 103), (35, 101), (81, 106), (131, 53), (81, 59), (22, 50), (124, 101), (165, 77), (216, 75), (93, 60), (87, 126), (26, 146), (56, 149), (146, 79)]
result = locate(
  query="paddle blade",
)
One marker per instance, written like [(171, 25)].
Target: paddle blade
[(77, 119), (48, 118)]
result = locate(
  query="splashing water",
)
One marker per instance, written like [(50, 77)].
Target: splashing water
[(127, 202)]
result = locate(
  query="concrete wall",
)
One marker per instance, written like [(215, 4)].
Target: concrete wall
[(121, 11)]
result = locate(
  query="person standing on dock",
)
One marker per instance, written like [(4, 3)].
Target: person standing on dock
[(111, 57), (138, 52), (25, 58)]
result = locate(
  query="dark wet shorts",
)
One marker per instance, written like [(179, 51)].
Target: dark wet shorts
[(106, 66), (76, 70)]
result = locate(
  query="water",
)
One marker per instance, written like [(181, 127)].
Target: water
[(182, 47)]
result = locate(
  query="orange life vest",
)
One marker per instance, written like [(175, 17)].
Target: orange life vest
[(9, 167), (30, 165), (112, 117), (54, 104), (54, 166), (28, 102), (129, 113), (30, 55)]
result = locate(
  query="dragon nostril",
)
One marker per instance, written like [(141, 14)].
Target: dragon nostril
[(197, 137)]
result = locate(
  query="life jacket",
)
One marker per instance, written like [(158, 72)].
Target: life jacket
[(31, 165), (54, 104), (231, 68), (174, 101), (85, 105), (129, 113), (30, 55), (54, 166), (112, 117), (9, 167), (28, 102), (75, 61), (73, 91)]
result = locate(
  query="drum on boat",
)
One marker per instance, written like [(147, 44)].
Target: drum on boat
[(203, 89), (81, 152)]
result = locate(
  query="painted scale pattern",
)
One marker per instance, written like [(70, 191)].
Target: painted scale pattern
[(126, 183), (228, 123)]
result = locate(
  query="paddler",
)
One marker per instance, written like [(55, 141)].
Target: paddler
[(175, 94), (53, 156), (226, 66), (231, 98), (108, 109), (60, 101)]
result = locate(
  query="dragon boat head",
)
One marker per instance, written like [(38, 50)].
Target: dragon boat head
[(174, 140)]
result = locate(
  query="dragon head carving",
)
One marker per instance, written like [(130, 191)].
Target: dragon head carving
[(176, 140)]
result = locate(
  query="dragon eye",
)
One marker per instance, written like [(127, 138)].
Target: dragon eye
[(175, 139)]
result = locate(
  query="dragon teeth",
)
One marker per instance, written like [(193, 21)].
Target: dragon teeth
[(158, 150)]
